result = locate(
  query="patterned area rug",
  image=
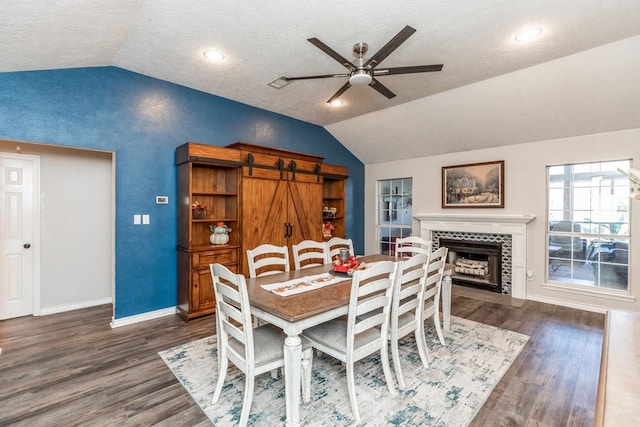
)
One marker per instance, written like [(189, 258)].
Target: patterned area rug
[(449, 392)]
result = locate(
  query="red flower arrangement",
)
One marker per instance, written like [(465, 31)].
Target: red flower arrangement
[(198, 210)]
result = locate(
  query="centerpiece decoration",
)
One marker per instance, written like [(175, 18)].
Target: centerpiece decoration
[(348, 265), (219, 234)]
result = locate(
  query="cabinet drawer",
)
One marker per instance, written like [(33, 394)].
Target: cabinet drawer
[(221, 256)]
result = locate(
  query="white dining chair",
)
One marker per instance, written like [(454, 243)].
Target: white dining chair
[(433, 285), (254, 351), (407, 308), (267, 259), (408, 246), (335, 244), (310, 253), (357, 335)]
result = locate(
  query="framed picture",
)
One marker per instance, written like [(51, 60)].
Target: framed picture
[(476, 185)]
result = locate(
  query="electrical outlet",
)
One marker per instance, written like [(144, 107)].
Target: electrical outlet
[(162, 200)]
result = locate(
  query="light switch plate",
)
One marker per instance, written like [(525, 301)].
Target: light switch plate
[(145, 219), (137, 219)]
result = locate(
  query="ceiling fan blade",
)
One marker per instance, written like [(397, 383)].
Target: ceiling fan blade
[(340, 91), (392, 45), (321, 76), (332, 53), (381, 88), (407, 70)]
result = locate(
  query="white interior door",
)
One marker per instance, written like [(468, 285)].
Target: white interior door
[(19, 234)]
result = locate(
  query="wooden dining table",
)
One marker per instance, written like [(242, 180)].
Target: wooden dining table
[(297, 312)]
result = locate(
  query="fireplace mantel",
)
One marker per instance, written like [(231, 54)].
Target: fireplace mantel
[(517, 219), (514, 225)]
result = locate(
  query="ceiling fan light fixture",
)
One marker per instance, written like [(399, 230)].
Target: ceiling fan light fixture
[(360, 77)]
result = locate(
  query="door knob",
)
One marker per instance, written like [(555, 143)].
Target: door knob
[(27, 245)]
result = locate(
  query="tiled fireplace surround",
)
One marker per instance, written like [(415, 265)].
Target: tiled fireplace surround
[(510, 230)]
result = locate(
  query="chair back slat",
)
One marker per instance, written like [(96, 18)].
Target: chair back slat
[(231, 312), (267, 259), (412, 245), (369, 322), (437, 261), (233, 331), (310, 253), (435, 272)]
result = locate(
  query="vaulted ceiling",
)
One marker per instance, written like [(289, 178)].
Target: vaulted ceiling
[(491, 91)]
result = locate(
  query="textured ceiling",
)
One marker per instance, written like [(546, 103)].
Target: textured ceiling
[(263, 40)]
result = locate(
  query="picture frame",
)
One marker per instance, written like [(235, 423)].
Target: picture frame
[(474, 185)]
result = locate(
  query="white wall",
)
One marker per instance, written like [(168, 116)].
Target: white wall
[(76, 224), (525, 193)]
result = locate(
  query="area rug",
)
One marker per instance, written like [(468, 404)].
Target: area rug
[(449, 392)]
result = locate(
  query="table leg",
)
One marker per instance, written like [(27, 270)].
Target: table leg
[(292, 356), (446, 302)]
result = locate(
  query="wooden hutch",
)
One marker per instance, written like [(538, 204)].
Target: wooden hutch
[(263, 194)]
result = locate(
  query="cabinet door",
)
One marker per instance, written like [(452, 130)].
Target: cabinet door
[(264, 212), (304, 211), (280, 212), (202, 296)]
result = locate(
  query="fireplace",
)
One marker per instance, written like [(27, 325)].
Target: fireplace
[(510, 230), (475, 264)]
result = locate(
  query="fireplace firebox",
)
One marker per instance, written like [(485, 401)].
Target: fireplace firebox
[(475, 264)]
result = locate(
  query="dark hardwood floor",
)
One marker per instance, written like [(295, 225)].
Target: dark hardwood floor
[(73, 369)]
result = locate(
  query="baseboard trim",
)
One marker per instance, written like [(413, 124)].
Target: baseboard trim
[(569, 304), (44, 311), (137, 318)]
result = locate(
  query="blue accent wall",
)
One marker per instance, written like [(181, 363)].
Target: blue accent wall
[(143, 120)]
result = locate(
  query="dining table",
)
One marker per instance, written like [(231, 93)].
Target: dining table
[(294, 313)]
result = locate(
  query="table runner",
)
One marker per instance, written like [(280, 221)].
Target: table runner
[(303, 284)]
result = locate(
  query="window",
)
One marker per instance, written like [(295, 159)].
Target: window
[(588, 225), (394, 218)]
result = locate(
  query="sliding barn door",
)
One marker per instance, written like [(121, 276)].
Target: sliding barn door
[(279, 211), (305, 211), (264, 212)]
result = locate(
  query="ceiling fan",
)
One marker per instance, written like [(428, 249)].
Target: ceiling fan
[(364, 70)]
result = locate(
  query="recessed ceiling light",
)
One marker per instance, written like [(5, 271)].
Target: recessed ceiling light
[(213, 55), (529, 34), (336, 103)]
